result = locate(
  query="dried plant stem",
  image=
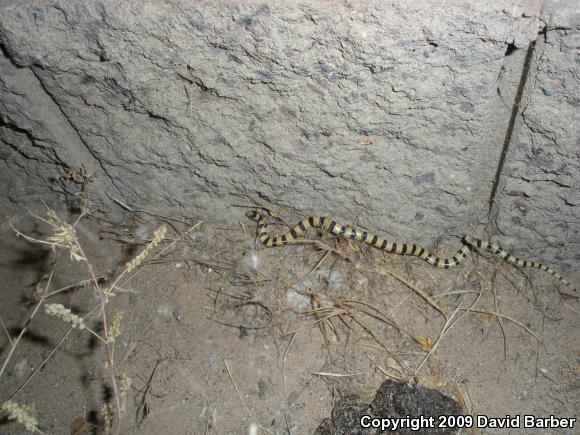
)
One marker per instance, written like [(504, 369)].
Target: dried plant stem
[(23, 331), (193, 227), (6, 331), (86, 328), (236, 387), (70, 286), (44, 361), (141, 210), (337, 375), (47, 358), (499, 319), (284, 361), (320, 316), (103, 312), (64, 236), (428, 299), (385, 373), (33, 240), (449, 323), (317, 265), (504, 316)]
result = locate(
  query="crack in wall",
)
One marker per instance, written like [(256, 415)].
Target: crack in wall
[(33, 142), (76, 130), (10, 56), (514, 113), (512, 122), (6, 53)]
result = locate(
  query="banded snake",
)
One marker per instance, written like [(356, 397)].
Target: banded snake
[(331, 226)]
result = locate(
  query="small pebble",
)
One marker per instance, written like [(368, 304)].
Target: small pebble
[(264, 385)]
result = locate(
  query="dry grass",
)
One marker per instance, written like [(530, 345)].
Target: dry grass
[(63, 238), (252, 292), (331, 314)]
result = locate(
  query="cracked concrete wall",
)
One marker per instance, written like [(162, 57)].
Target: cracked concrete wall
[(539, 190), (396, 112)]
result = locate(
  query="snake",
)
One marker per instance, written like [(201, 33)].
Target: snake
[(350, 232)]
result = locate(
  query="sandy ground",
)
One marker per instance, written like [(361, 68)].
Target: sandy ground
[(219, 333)]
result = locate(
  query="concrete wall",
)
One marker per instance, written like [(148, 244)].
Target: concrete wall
[(427, 120)]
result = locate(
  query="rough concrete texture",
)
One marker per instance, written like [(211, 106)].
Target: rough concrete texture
[(539, 201), (396, 112)]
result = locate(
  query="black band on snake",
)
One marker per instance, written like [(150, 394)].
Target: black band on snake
[(331, 226)]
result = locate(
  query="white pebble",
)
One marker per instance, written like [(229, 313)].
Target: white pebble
[(250, 260), (297, 300), (253, 429), (363, 280)]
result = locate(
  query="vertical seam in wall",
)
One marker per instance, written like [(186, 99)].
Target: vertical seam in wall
[(509, 132)]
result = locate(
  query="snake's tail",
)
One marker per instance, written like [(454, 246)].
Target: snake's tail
[(506, 256)]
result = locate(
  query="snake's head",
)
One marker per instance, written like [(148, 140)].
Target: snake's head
[(254, 215)]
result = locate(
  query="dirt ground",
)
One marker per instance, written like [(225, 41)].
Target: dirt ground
[(217, 332)]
